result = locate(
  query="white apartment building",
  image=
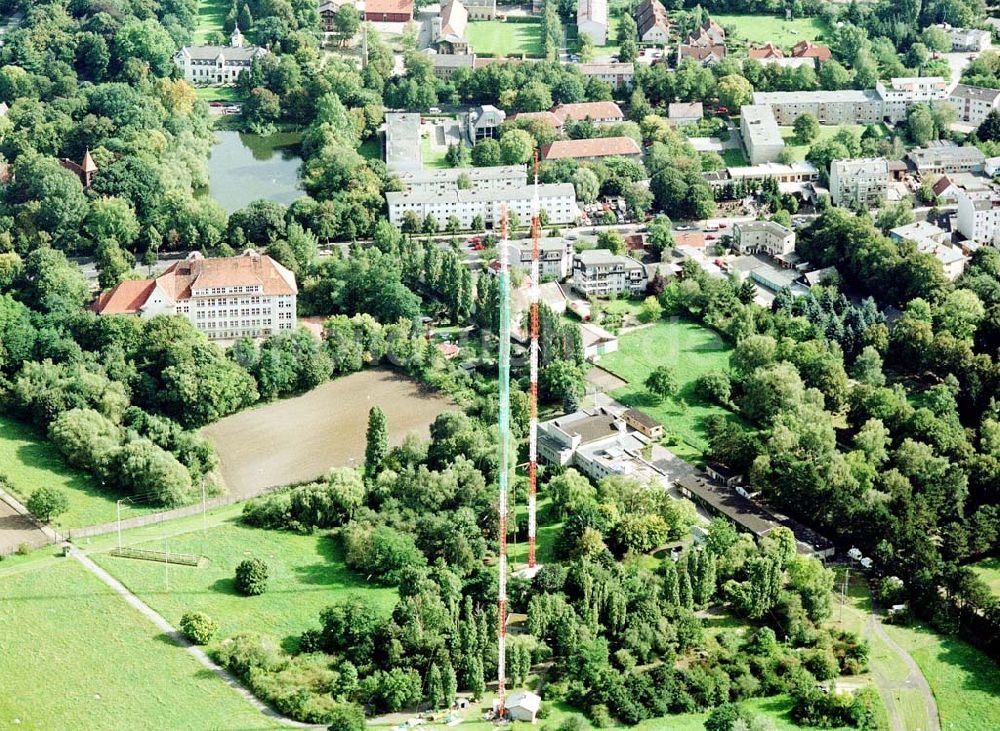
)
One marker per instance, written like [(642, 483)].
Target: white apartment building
[(848, 106), (488, 178), (592, 19), (859, 182), (250, 295), (936, 241), (555, 256), (558, 200), (618, 75), (217, 64), (945, 157), (761, 135), (403, 152), (979, 214), (600, 273), (900, 93), (974, 102), (753, 237)]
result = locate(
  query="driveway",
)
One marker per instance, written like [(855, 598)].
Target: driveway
[(914, 680)]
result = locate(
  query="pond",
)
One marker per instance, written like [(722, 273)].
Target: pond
[(243, 168)]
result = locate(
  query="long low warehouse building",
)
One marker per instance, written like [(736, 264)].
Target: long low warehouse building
[(558, 200)]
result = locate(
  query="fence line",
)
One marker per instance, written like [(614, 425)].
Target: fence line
[(153, 518)]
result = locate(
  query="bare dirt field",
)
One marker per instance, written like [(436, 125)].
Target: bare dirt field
[(16, 529), (299, 439)]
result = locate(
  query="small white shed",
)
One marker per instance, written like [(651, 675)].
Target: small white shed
[(523, 705)]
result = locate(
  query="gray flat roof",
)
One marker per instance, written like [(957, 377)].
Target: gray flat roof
[(759, 121), (402, 140), (815, 97), (493, 172)]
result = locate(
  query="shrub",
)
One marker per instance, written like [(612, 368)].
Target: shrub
[(46, 503), (244, 652), (23, 549), (347, 717), (198, 626), (251, 577)]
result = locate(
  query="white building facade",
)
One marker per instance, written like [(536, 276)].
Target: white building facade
[(752, 237), (862, 182), (600, 273), (558, 200), (217, 64)]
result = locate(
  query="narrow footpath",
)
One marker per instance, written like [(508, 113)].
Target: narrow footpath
[(914, 680), (157, 619)]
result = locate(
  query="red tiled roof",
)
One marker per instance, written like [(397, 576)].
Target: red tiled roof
[(943, 183), (389, 7), (768, 51), (594, 110), (808, 49), (595, 147), (247, 269), (125, 298)]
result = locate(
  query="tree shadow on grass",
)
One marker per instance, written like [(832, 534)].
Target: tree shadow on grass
[(225, 586)]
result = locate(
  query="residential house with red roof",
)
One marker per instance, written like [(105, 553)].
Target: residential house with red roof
[(592, 149), (250, 295), (808, 49)]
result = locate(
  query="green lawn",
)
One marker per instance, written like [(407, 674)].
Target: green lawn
[(825, 133), (499, 38), (371, 149), (965, 682), (433, 157), (218, 93), (307, 573), (29, 461), (989, 571), (75, 655), (690, 350), (762, 29), (211, 16), (734, 158)]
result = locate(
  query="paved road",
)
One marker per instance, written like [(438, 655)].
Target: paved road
[(168, 629), (914, 680)]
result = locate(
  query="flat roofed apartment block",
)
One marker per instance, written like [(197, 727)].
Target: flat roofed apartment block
[(250, 295)]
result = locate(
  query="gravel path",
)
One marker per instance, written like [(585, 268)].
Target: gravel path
[(914, 680)]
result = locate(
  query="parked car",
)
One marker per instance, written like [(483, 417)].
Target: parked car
[(478, 247), (475, 240)]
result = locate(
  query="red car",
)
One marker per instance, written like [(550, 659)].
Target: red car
[(475, 240), (709, 237), (478, 247)]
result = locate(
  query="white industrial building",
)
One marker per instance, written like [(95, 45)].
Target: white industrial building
[(862, 182), (761, 135), (945, 157), (558, 200), (402, 142), (752, 237), (597, 443)]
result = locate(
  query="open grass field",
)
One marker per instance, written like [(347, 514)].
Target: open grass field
[(299, 439), (989, 571), (965, 682), (760, 29), (307, 573), (499, 38), (218, 93), (29, 461), (211, 16), (75, 655), (690, 350)]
